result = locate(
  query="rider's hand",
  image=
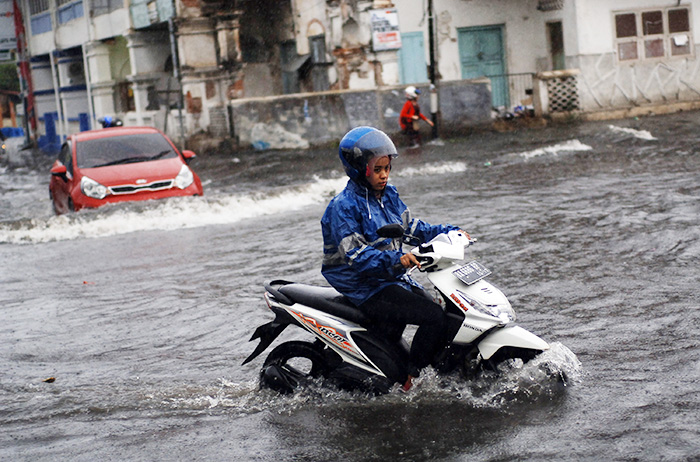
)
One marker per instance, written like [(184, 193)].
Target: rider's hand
[(409, 260)]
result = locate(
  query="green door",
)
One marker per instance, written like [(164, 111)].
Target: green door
[(481, 55), (412, 67)]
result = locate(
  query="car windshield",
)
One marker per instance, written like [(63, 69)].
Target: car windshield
[(123, 149)]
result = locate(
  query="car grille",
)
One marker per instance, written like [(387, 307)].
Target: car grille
[(132, 188)]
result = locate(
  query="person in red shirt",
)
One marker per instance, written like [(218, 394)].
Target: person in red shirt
[(410, 116)]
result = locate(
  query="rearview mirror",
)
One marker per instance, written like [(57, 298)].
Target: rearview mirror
[(60, 171), (188, 155), (393, 231)]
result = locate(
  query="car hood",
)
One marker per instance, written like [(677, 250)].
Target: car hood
[(136, 173)]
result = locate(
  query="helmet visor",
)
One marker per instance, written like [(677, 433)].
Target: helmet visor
[(377, 144)]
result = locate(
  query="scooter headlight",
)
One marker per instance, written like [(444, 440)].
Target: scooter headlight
[(92, 188), (184, 178), (504, 313)]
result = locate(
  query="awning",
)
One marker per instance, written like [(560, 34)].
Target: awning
[(296, 63)]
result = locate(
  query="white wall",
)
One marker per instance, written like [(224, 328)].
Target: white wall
[(71, 34), (524, 33), (40, 44), (111, 24), (310, 20), (596, 27)]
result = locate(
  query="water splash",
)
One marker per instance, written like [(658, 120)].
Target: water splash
[(174, 213), (641, 134), (515, 382), (432, 169), (567, 146), (187, 212)]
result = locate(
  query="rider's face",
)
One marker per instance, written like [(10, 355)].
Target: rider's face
[(379, 173)]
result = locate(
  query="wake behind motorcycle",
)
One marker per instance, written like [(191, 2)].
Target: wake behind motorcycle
[(353, 353)]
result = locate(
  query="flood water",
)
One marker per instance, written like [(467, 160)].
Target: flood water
[(142, 312)]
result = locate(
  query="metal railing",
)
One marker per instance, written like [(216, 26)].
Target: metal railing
[(511, 90)]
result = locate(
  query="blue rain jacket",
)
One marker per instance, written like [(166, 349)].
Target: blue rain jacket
[(356, 261)]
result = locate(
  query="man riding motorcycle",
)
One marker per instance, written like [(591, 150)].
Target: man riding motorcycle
[(367, 269)]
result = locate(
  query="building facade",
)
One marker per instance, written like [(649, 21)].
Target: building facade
[(179, 64)]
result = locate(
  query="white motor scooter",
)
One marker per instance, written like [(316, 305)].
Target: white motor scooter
[(353, 353)]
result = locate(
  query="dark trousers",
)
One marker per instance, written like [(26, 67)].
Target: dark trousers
[(412, 135), (398, 306)]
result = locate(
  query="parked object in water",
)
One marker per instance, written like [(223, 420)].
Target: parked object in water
[(119, 164), (109, 121), (352, 353)]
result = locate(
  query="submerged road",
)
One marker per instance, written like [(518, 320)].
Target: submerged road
[(142, 312)]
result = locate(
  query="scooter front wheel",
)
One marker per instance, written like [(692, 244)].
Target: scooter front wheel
[(507, 353), (290, 364)]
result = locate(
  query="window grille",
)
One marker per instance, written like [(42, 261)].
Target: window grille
[(38, 6)]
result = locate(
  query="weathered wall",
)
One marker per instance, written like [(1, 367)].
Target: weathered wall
[(607, 84), (604, 85), (301, 120)]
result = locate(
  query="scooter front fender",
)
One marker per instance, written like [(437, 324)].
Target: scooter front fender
[(513, 336)]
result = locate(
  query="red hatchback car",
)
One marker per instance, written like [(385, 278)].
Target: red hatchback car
[(119, 164)]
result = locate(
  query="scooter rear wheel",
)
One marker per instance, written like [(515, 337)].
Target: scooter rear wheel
[(290, 364)]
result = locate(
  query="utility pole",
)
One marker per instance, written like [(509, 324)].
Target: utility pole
[(178, 78), (434, 105)]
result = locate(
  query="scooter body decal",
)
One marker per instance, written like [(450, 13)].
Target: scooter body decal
[(328, 332), (338, 340)]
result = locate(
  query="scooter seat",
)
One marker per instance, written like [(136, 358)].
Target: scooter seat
[(326, 299)]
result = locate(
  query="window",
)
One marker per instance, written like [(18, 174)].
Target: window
[(40, 21), (100, 7), (653, 34), (66, 157), (123, 149), (68, 11)]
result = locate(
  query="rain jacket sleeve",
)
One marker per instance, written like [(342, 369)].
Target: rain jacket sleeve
[(356, 261)]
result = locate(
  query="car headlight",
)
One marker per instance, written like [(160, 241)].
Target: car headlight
[(184, 178), (92, 188)]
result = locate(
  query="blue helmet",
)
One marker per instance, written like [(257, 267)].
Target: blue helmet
[(359, 146)]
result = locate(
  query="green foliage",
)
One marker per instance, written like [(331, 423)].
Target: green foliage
[(8, 77)]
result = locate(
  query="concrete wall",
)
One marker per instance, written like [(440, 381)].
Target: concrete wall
[(525, 33), (298, 121), (606, 84)]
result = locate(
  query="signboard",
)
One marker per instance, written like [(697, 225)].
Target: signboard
[(385, 29), (8, 41)]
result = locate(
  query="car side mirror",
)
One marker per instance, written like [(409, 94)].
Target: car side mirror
[(188, 155), (393, 231), (60, 171)]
